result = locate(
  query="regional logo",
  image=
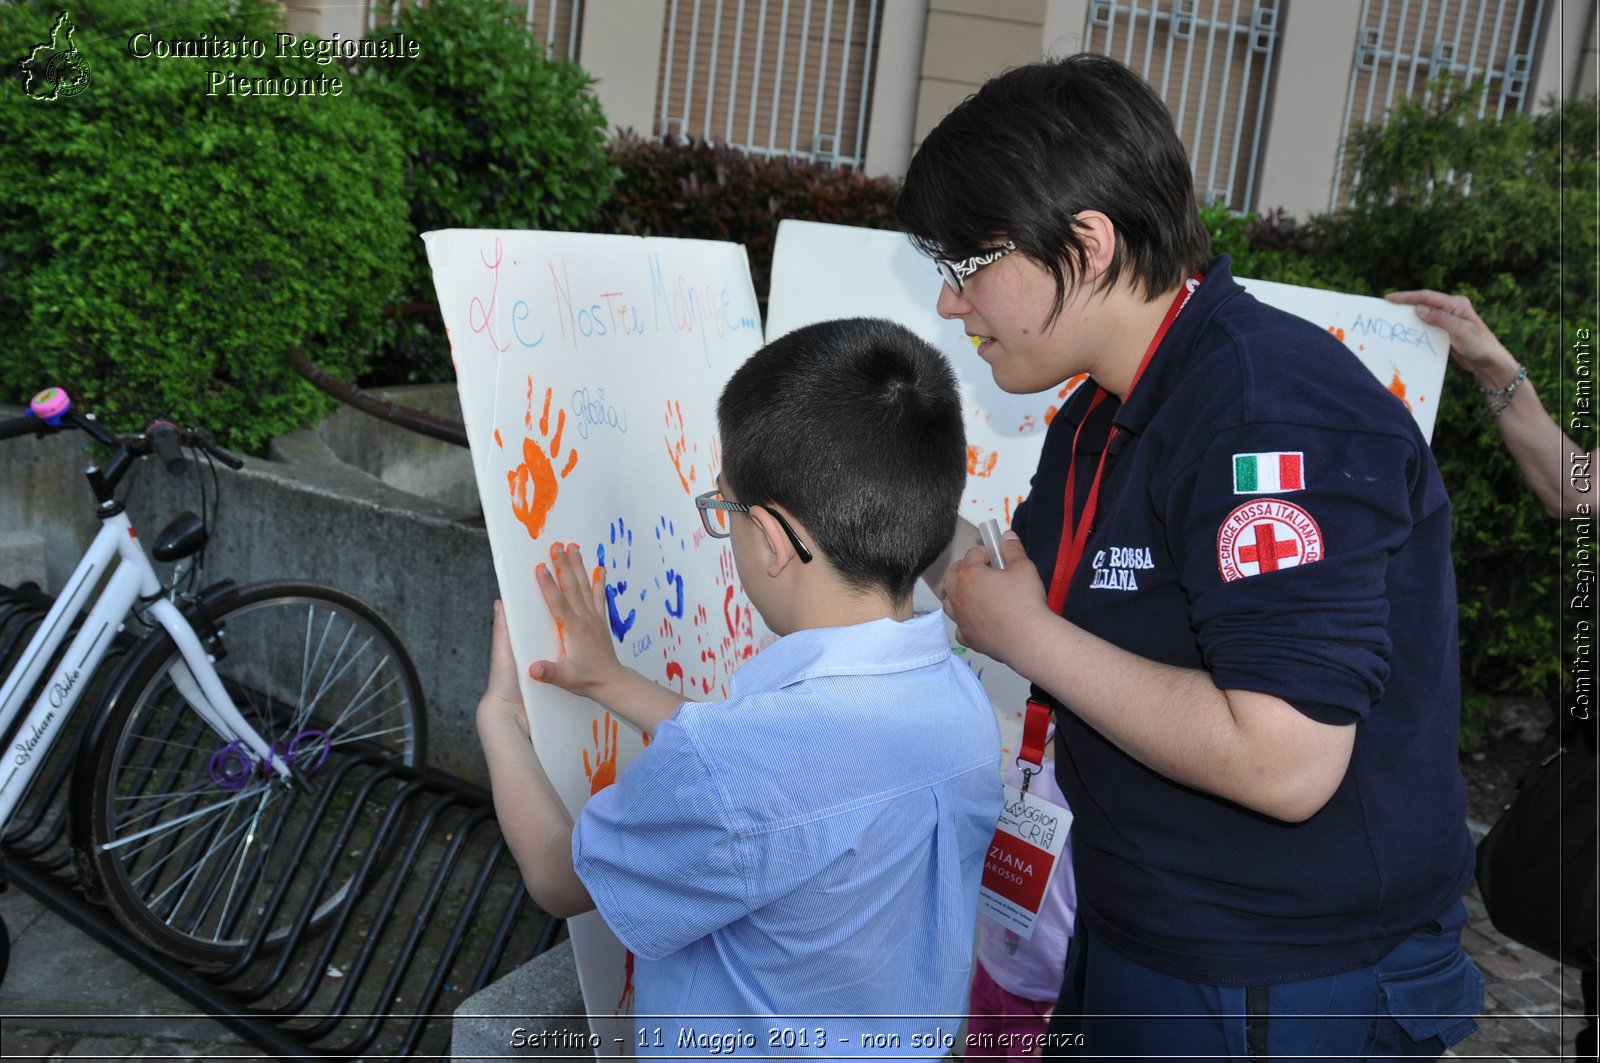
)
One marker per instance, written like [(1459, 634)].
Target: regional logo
[(55, 69), (1265, 536)]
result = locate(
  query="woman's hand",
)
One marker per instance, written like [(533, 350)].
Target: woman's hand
[(995, 610), (1472, 345)]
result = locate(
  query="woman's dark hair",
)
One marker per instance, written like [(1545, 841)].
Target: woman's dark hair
[(1021, 157)]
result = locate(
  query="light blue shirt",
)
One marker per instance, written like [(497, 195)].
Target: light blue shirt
[(810, 847)]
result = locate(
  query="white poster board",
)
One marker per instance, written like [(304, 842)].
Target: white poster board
[(824, 271), (589, 369), (1408, 357)]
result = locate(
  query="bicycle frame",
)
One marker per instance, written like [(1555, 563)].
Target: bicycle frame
[(134, 580)]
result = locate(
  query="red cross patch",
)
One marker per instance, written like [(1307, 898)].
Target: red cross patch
[(1265, 536)]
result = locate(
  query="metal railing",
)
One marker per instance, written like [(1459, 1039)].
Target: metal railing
[(559, 22), (1212, 62), (396, 414)]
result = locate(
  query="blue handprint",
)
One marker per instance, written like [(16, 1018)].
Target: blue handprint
[(615, 588), (673, 591)]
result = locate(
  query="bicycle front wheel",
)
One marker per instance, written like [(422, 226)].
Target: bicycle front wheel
[(195, 843)]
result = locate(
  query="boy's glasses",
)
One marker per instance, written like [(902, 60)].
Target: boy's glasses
[(955, 274), (712, 502)]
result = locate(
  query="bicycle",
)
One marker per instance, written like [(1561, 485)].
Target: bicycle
[(202, 811)]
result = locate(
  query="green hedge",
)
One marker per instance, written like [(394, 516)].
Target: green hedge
[(710, 191), (1502, 211), (496, 136), (161, 249)]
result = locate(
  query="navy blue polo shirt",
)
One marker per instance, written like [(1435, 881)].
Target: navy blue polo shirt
[(1270, 514)]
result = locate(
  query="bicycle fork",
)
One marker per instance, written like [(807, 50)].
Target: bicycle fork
[(195, 677)]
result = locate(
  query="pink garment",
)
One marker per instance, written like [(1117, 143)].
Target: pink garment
[(1002, 1025), (1031, 968)]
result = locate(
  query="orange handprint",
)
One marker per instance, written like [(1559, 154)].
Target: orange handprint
[(533, 483), (1066, 389), (603, 772), (981, 462), (1397, 387)]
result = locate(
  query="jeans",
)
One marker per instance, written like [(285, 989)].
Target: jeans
[(1415, 1002)]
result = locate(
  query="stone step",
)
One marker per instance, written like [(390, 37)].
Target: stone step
[(535, 1011)]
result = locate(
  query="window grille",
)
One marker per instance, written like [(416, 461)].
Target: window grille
[(1405, 44), (555, 23), (773, 77)]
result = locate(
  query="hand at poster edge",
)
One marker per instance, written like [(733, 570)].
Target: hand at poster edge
[(502, 696)]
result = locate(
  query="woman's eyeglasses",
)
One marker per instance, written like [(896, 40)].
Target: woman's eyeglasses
[(955, 274)]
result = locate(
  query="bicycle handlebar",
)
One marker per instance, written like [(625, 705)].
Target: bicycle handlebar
[(12, 427), (161, 437)]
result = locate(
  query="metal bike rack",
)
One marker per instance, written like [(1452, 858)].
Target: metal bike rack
[(439, 913)]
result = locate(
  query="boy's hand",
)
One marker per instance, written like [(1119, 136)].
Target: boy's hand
[(502, 698), (588, 663)]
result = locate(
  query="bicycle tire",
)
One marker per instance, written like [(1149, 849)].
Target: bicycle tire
[(187, 854)]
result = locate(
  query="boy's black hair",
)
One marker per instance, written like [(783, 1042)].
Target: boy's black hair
[(855, 427), (1019, 158)]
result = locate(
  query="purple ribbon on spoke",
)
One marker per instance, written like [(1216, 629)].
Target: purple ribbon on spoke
[(230, 767)]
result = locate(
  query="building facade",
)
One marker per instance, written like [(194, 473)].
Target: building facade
[(1264, 92)]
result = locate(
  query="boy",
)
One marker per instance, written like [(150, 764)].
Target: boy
[(810, 849)]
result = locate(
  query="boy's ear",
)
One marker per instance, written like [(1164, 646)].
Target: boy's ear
[(780, 551)]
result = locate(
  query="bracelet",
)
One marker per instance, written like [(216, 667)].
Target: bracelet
[(1500, 398)]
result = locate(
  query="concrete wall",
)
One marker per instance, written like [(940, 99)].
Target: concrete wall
[(306, 515), (1306, 117), (894, 88), (1565, 65), (622, 50), (966, 43)]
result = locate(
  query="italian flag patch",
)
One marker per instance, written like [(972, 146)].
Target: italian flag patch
[(1269, 474)]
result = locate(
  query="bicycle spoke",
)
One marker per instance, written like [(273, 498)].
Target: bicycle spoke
[(189, 878), (242, 853), (331, 677), (363, 702), (145, 876)]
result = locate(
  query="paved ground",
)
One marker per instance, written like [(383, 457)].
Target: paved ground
[(68, 997)]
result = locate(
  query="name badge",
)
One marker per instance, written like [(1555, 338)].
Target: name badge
[(1022, 857)]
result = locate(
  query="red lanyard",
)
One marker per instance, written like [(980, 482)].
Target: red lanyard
[(1075, 533)]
